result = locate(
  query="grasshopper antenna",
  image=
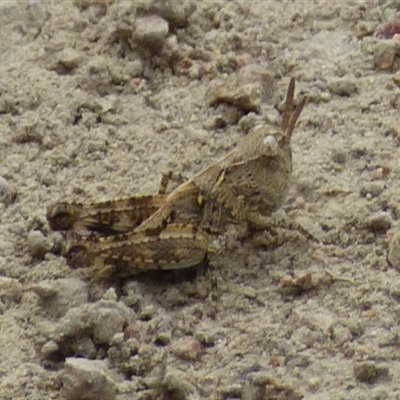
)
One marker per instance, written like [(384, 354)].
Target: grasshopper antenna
[(291, 114), (287, 112), (293, 119)]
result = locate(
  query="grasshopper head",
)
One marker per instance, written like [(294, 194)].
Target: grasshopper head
[(269, 158), (264, 142)]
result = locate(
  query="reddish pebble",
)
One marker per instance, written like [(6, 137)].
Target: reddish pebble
[(274, 361), (187, 349), (185, 63)]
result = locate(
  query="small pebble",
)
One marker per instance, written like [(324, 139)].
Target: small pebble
[(134, 68), (59, 295), (299, 202), (314, 382), (108, 323), (249, 292), (370, 372), (358, 150), (91, 326), (384, 54), (373, 189), (49, 348), (229, 114), (163, 338), (246, 97), (10, 290), (339, 156), (379, 222), (205, 337), (147, 313), (69, 58), (394, 250), (377, 174), (117, 339), (110, 295), (176, 12), (177, 383), (38, 244), (151, 32), (343, 87), (84, 347), (248, 122), (87, 379), (133, 345), (188, 349)]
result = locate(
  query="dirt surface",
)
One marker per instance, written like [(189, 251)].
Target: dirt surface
[(98, 99)]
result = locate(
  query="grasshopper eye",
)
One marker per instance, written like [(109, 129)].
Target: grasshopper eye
[(270, 145)]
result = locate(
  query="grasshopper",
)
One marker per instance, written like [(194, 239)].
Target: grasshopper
[(173, 229)]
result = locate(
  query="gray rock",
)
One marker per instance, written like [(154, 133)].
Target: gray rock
[(189, 349), (87, 380), (379, 222), (246, 97), (69, 59), (108, 321), (38, 244), (147, 313), (176, 12), (150, 32), (134, 68), (60, 295), (10, 290), (88, 326)]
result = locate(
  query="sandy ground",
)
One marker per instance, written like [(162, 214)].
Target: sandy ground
[(91, 110)]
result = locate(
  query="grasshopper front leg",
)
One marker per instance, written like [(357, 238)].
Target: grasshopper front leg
[(176, 246)]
